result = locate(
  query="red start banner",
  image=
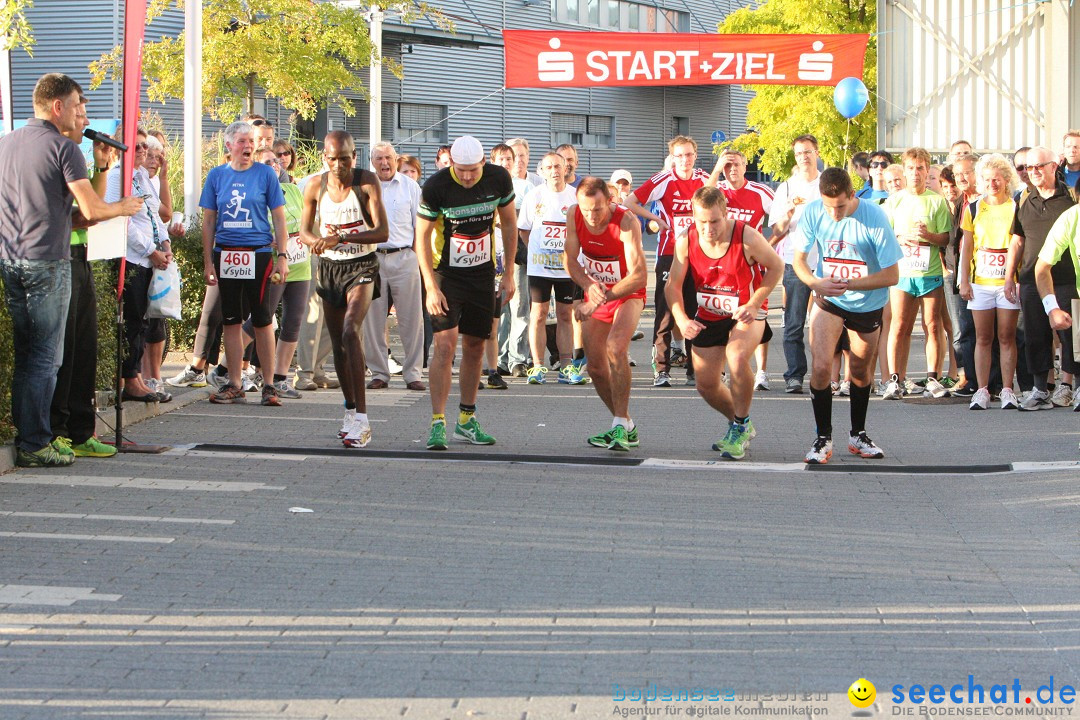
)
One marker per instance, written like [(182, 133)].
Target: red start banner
[(547, 58)]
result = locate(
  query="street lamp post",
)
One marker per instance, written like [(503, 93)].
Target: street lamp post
[(192, 107)]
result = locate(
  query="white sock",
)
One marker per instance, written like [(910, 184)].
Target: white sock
[(360, 417), (625, 422), (677, 345)]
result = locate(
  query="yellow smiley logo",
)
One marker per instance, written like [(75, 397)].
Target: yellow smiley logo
[(862, 693)]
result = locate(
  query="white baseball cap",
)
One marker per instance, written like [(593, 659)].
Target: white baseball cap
[(467, 150), (621, 175)]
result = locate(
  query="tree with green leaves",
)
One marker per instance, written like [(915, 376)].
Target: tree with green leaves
[(303, 53), (779, 113), (15, 31)]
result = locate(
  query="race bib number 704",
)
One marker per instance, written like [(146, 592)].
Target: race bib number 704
[(605, 272)]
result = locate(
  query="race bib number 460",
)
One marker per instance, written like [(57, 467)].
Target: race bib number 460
[(469, 250), (605, 272), (990, 264), (843, 268), (717, 303), (553, 235), (916, 259), (238, 265)]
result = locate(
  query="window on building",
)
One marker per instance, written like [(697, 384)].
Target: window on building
[(619, 15), (680, 126), (420, 123), (583, 131)]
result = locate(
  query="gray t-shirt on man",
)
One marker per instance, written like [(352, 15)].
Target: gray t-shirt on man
[(36, 165)]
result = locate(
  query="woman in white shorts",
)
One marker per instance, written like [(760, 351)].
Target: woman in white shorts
[(987, 226)]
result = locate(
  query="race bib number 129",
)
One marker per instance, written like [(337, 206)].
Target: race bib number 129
[(238, 265)]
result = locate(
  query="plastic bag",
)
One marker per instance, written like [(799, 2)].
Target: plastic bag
[(165, 293)]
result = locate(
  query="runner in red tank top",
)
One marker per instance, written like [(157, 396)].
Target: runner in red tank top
[(720, 256), (611, 271)]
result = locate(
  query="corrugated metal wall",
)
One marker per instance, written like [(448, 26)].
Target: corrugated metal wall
[(967, 69)]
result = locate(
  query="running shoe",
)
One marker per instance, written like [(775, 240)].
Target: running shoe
[(1036, 400), (346, 424), (519, 370), (691, 380), (844, 390), (472, 433), (47, 456), (93, 448), (632, 437), (734, 444), (228, 395), (879, 388), (1008, 399), (630, 359), (964, 392), (579, 365), (934, 388), (537, 375), (834, 387), (188, 377), (249, 383), (678, 358), (393, 365), (155, 386), (570, 375), (864, 447), (304, 383), (637, 335), (662, 379), (761, 380), (269, 397), (820, 451), (895, 389), (216, 380), (948, 383), (62, 445), (284, 390), (1063, 395), (618, 439), (793, 386), (980, 400), (600, 440), (495, 381), (359, 435), (437, 438)]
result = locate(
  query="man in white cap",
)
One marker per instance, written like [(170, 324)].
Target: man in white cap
[(624, 181), (454, 235)]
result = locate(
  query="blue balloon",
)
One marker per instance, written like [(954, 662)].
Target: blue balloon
[(850, 96)]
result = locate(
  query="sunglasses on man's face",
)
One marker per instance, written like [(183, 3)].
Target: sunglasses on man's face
[(284, 154), (879, 164), (260, 123)]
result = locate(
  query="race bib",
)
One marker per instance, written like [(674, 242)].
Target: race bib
[(553, 235), (916, 259), (682, 224), (717, 303), (346, 251), (237, 265), (296, 252), (843, 268), (605, 272), (990, 264), (470, 250)]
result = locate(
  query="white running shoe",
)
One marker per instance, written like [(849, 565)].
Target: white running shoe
[(359, 435), (894, 390), (215, 380), (980, 400), (845, 389), (188, 378), (287, 391), (1063, 395), (761, 381), (820, 451), (393, 365), (935, 388), (1008, 399), (863, 446), (1036, 400), (346, 425)]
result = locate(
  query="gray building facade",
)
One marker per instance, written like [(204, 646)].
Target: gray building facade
[(453, 83)]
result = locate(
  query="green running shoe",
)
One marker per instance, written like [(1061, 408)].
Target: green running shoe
[(632, 437), (537, 375), (619, 440), (47, 456), (93, 448), (734, 443), (601, 440), (62, 445), (437, 439), (471, 432)]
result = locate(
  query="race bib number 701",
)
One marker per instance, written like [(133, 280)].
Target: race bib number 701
[(469, 250), (237, 265)]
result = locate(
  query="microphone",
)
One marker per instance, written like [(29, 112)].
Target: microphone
[(96, 136)]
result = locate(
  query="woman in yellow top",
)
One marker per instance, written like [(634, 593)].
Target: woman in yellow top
[(983, 250)]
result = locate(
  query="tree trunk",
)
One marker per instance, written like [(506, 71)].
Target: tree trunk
[(251, 94)]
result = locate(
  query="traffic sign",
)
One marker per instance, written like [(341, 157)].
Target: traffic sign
[(718, 137)]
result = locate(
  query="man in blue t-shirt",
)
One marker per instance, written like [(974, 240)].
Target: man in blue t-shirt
[(237, 201), (1070, 159), (857, 264)]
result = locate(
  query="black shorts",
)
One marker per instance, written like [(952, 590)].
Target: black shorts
[(240, 298), (716, 333), (540, 289), (767, 335), (470, 302), (336, 278), (861, 322)]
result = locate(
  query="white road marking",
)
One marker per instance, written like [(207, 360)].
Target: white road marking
[(139, 483), (122, 518), (101, 538), (49, 595)]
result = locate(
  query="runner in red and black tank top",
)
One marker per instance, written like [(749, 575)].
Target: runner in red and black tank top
[(604, 254), (721, 284)]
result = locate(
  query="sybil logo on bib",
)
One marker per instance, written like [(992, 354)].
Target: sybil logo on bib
[(607, 272), (237, 265), (990, 264), (916, 259), (554, 235), (467, 251)]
